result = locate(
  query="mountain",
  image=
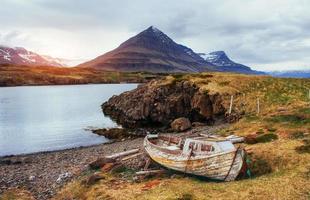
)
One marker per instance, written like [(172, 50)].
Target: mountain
[(151, 50), (291, 73), (222, 61), (21, 56)]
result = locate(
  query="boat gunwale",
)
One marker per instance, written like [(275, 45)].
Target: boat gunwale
[(167, 152)]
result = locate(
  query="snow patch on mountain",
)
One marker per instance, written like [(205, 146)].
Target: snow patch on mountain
[(21, 56), (27, 57), (6, 55), (218, 58)]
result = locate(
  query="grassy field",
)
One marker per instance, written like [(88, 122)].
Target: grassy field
[(11, 75), (279, 162)]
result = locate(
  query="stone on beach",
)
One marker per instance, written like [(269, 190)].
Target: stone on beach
[(100, 162), (181, 124)]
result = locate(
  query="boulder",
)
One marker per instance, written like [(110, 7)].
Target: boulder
[(181, 124), (63, 177)]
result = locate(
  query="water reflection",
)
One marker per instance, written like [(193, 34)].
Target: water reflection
[(43, 118)]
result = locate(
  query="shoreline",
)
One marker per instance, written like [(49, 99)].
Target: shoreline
[(44, 173), (54, 151), (36, 85)]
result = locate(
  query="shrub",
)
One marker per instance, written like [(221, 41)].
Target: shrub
[(266, 137)]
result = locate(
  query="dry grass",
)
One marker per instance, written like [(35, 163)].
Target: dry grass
[(16, 194), (279, 169), (11, 75), (279, 172), (272, 92)]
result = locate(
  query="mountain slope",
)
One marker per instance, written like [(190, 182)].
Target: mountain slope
[(151, 50), (221, 60), (21, 56)]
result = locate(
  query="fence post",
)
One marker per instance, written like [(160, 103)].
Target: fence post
[(231, 102), (258, 108)]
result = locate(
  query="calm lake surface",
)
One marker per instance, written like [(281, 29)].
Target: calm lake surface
[(45, 118)]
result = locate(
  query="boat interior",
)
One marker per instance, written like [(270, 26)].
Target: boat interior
[(191, 145)]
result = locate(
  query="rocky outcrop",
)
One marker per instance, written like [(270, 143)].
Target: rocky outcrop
[(158, 103), (181, 124), (118, 134)]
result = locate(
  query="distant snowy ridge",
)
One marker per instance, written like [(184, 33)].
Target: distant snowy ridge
[(21, 56), (291, 73), (218, 58), (223, 62)]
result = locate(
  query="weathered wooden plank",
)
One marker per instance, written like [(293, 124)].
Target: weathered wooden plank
[(124, 153), (147, 163), (132, 156), (149, 172)]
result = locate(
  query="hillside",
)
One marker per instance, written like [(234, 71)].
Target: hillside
[(19, 75), (280, 156)]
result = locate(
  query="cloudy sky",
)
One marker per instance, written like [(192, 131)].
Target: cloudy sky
[(264, 34)]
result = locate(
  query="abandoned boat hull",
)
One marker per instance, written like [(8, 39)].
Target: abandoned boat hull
[(223, 166)]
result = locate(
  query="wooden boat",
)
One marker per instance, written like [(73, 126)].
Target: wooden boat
[(213, 158)]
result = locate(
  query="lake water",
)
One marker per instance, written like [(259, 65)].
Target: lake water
[(45, 118)]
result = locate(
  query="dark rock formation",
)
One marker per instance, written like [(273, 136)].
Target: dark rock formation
[(158, 104), (113, 133), (118, 134)]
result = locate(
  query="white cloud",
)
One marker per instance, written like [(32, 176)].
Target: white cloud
[(261, 33)]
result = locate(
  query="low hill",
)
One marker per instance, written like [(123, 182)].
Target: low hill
[(19, 75)]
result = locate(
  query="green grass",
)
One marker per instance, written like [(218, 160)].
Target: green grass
[(297, 135), (268, 137), (279, 161), (304, 110), (251, 117), (290, 120)]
